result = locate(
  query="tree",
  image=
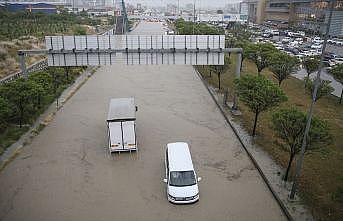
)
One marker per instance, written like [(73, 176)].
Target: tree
[(311, 64), (289, 126), (259, 94), (20, 93), (337, 73), (229, 43), (244, 45), (5, 113), (79, 30), (44, 82), (219, 69), (324, 88), (260, 54), (282, 65)]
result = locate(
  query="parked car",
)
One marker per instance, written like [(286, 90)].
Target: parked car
[(300, 33), (267, 35), (293, 44), (331, 41), (308, 53), (331, 63), (290, 34), (275, 32), (330, 55), (317, 40), (286, 39), (299, 40), (316, 46), (299, 56), (338, 60), (338, 42)]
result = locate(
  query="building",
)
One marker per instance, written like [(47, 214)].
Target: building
[(30, 7), (313, 15), (232, 8), (256, 10), (308, 15), (243, 8), (277, 12)]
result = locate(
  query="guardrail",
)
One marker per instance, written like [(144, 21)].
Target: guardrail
[(40, 65)]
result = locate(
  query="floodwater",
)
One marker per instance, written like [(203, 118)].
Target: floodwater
[(66, 173)]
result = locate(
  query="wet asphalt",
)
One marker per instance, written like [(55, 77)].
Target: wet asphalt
[(66, 173)]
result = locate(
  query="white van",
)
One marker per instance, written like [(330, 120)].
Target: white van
[(181, 179)]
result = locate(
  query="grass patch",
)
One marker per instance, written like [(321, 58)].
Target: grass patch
[(321, 180)]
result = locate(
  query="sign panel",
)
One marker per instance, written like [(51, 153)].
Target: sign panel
[(87, 50)]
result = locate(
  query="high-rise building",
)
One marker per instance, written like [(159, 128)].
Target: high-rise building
[(243, 8), (277, 11), (256, 10), (312, 15)]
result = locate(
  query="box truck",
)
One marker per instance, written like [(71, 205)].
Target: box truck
[(121, 125)]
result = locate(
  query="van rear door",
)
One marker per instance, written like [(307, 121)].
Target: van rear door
[(116, 141), (129, 135)]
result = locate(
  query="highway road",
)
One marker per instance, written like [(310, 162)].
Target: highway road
[(66, 173)]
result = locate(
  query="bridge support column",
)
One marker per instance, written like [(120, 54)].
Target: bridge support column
[(22, 64)]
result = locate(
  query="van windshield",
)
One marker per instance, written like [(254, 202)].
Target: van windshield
[(182, 178)]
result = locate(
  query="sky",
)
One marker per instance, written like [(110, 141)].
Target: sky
[(198, 3)]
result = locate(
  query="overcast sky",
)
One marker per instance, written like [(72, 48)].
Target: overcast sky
[(198, 3)]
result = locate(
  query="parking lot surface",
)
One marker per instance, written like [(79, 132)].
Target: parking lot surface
[(66, 173)]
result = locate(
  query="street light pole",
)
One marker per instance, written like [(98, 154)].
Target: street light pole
[(310, 112)]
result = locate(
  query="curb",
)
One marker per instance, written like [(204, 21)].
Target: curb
[(44, 119), (276, 197)]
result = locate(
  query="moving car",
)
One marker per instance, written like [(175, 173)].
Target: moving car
[(121, 125), (181, 179)]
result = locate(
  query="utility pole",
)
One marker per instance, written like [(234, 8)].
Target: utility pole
[(193, 16), (178, 8), (310, 112)]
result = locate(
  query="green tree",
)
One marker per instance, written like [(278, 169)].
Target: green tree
[(5, 113), (244, 45), (219, 70), (79, 30), (311, 64), (260, 54), (337, 73), (259, 94), (289, 126), (20, 93), (324, 88), (283, 65)]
